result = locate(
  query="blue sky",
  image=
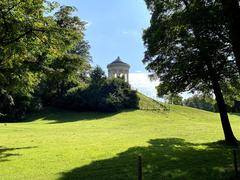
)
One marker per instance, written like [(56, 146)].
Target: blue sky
[(114, 29)]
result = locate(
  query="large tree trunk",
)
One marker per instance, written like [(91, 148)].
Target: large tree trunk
[(232, 12), (228, 133), (229, 136), (227, 130)]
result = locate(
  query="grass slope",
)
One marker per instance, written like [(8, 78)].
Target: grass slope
[(176, 144), (146, 103)]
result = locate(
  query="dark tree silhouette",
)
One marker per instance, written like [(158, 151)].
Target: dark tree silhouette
[(185, 51), (231, 9)]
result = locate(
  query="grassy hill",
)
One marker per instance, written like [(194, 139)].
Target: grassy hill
[(146, 103), (181, 143)]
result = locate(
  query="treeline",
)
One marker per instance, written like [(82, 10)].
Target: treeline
[(45, 61), (101, 94), (206, 101)]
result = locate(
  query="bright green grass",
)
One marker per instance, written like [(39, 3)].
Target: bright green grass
[(177, 144), (146, 103)]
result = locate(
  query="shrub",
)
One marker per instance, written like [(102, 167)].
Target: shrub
[(108, 95), (111, 103), (15, 107)]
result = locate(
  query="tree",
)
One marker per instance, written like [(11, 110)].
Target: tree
[(204, 102), (174, 99), (70, 68), (101, 94), (22, 27), (231, 9), (67, 71), (32, 38), (232, 94), (97, 75), (185, 51)]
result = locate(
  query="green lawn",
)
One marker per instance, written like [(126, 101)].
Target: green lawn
[(178, 144)]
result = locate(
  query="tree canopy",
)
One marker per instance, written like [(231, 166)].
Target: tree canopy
[(188, 49), (39, 40), (231, 9)]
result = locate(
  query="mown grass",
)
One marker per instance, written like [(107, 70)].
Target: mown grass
[(182, 143), (146, 103)]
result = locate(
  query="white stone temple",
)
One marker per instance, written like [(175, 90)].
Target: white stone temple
[(118, 68)]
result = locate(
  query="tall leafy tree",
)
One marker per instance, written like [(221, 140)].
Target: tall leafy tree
[(65, 72), (185, 48), (174, 99), (97, 75), (231, 93), (31, 39), (231, 9), (20, 22), (201, 101)]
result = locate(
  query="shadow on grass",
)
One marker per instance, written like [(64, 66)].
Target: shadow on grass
[(5, 152), (170, 158), (64, 116)]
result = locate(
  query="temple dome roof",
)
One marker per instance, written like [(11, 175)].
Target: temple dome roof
[(118, 62)]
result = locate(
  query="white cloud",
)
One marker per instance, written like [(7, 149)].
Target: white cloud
[(143, 84)]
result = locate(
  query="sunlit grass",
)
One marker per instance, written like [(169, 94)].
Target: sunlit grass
[(57, 144)]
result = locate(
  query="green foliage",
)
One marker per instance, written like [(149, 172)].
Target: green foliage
[(201, 102), (231, 91), (116, 94), (97, 75), (106, 95), (236, 107), (110, 103), (6, 103), (35, 47), (21, 38), (67, 71), (207, 102), (16, 111), (180, 43), (188, 48), (174, 99), (231, 10)]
